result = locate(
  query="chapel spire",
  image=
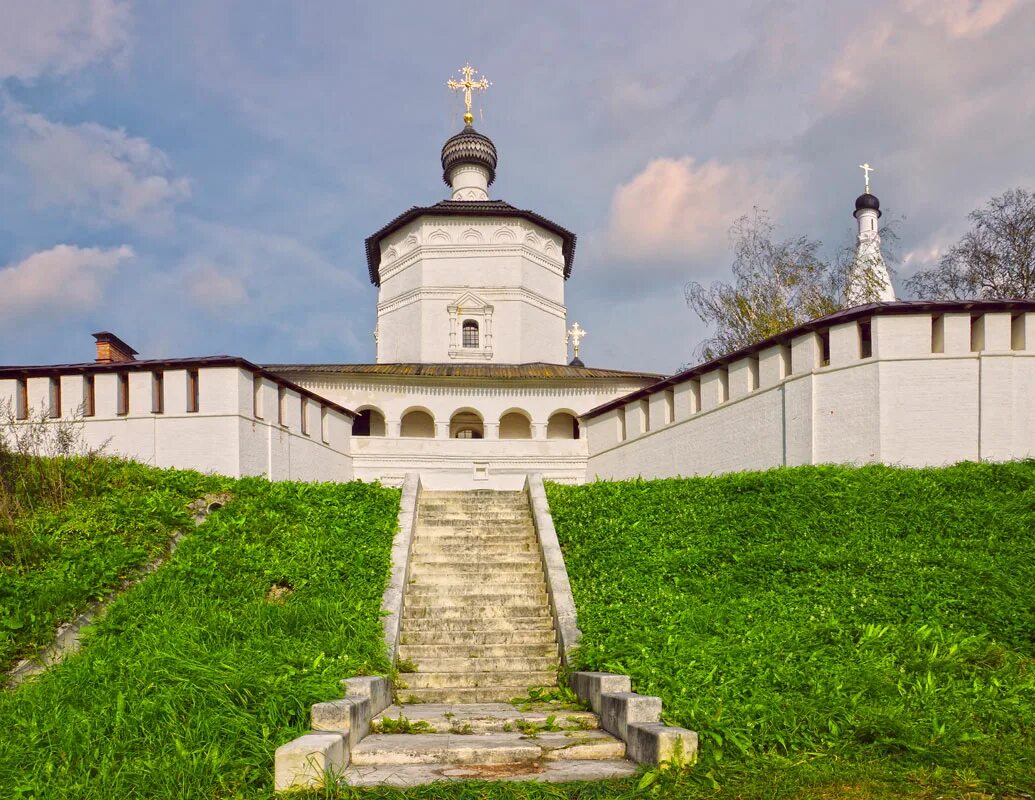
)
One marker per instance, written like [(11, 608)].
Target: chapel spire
[(868, 280)]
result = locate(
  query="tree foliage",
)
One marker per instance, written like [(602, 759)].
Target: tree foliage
[(994, 260), (777, 285)]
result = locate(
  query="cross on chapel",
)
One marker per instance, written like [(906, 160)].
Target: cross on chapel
[(468, 85), (867, 169)]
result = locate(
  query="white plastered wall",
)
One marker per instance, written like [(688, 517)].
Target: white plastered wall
[(902, 405)]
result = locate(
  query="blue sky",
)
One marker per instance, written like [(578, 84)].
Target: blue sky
[(198, 177)]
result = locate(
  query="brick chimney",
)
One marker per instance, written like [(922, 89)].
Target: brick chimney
[(111, 349)]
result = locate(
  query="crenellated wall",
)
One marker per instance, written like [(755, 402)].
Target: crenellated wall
[(904, 384), (229, 419)]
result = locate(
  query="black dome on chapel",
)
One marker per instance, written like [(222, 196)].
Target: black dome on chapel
[(469, 147)]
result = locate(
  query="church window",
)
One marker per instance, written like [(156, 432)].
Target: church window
[(466, 420), (193, 392), (417, 423), (257, 396), (824, 348), (325, 424), (865, 339), (122, 399), (644, 415), (977, 333), (470, 333), (305, 416), (55, 397), (938, 334), (670, 406), (370, 422), (621, 424), (89, 396), (468, 433), (515, 425), (157, 392), (281, 399), (562, 425)]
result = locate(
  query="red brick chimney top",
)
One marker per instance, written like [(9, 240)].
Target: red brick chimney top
[(110, 348)]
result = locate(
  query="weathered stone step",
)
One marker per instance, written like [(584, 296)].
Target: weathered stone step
[(460, 544), (474, 622), (465, 666), (417, 652), (491, 597), (460, 638), (560, 771), (473, 588), (493, 748), (483, 694), (480, 538), (458, 567), (424, 579), (488, 717), (476, 555), (474, 680), (472, 494), (464, 611), (516, 516)]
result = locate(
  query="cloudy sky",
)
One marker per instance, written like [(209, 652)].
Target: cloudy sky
[(199, 176)]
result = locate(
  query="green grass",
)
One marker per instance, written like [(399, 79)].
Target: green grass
[(61, 550), (195, 676), (828, 631)]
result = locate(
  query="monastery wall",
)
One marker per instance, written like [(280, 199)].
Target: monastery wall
[(913, 389), (225, 420)]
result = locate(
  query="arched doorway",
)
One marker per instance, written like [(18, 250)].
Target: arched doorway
[(562, 425), (466, 424), (418, 422)]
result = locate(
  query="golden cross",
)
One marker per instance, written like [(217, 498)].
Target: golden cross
[(468, 85), (867, 169), (576, 334)]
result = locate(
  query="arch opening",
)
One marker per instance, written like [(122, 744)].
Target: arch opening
[(466, 424), (563, 425), (515, 425), (418, 423), (370, 422)]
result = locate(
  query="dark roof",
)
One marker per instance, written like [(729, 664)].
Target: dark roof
[(897, 308), (535, 371), (867, 200), (93, 367), (466, 208), (469, 147)]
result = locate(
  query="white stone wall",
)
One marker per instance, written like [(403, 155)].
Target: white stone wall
[(223, 436), (509, 270), (972, 399)]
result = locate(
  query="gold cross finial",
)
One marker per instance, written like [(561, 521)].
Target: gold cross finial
[(867, 169), (576, 334), (468, 85)]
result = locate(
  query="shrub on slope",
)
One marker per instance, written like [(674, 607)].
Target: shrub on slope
[(197, 674), (820, 617)]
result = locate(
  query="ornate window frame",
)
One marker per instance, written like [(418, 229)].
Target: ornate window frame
[(470, 307)]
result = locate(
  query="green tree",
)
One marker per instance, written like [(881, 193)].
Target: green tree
[(994, 260), (777, 284)]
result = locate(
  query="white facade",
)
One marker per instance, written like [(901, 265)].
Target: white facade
[(243, 423), (936, 389), (505, 275)]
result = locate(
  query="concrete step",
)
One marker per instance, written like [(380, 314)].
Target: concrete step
[(483, 638), (476, 555), (518, 516), (473, 680), (475, 718), (555, 771), (464, 590), (465, 666), (474, 622), (429, 578), (419, 652), (444, 544), (484, 694), (464, 612), (491, 748), (501, 568), (468, 538), (491, 599)]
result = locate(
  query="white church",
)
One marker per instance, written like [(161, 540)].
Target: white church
[(472, 386)]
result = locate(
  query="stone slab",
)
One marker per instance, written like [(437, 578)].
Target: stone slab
[(590, 685), (306, 762), (656, 743), (542, 772), (619, 709), (487, 717), (375, 687), (349, 716)]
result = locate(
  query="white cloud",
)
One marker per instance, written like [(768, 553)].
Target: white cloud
[(213, 288), (64, 278), (681, 208), (56, 37), (107, 175), (961, 18)]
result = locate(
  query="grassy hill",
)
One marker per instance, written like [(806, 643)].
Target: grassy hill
[(828, 631)]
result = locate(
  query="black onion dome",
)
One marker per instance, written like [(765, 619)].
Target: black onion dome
[(469, 147), (867, 201)]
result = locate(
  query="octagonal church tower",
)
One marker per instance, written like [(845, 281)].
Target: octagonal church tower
[(470, 279)]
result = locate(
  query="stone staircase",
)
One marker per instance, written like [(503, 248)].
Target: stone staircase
[(476, 623), (477, 631)]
